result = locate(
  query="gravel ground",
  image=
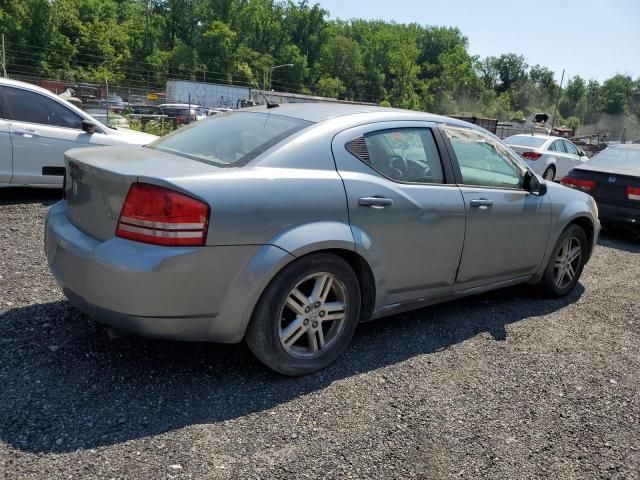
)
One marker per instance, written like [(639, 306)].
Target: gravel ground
[(504, 385)]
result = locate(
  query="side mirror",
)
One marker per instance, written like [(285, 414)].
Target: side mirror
[(534, 185), (89, 127), (581, 153)]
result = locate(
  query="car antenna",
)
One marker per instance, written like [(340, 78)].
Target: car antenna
[(269, 104)]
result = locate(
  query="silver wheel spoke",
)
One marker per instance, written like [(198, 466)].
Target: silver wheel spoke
[(321, 288), (575, 253), (292, 332), (570, 271), (334, 311), (313, 340), (297, 301)]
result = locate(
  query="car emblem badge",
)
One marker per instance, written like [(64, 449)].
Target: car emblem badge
[(612, 179)]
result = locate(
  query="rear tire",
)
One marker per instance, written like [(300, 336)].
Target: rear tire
[(306, 316), (550, 173), (566, 263)]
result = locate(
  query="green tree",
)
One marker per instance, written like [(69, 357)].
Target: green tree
[(330, 87)]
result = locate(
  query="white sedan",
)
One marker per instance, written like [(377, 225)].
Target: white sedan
[(37, 127), (551, 157)]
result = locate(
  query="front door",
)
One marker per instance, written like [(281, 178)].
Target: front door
[(507, 227), (6, 153), (406, 214), (42, 129)]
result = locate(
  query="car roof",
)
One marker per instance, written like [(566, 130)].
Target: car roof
[(546, 137), (16, 83), (318, 112), (179, 105)]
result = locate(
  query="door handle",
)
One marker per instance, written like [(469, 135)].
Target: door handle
[(375, 201), (481, 203), (27, 133)]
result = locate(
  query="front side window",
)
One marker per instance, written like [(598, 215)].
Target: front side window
[(403, 154), (570, 147), (32, 107), (230, 139), (483, 160)]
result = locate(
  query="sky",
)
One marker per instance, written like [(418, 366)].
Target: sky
[(591, 38)]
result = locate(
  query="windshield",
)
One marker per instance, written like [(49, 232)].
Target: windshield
[(525, 141), (230, 139), (618, 157)]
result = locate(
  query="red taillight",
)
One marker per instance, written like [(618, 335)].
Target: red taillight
[(180, 119), (584, 185), (531, 155), (161, 216), (633, 193)]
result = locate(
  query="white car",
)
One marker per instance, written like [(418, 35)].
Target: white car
[(37, 127), (550, 157)]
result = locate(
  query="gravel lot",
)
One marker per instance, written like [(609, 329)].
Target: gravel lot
[(504, 385)]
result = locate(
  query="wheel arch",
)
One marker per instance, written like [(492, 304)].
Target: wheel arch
[(587, 225)]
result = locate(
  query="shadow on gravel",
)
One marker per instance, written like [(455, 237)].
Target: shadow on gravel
[(620, 239), (23, 195), (65, 386)]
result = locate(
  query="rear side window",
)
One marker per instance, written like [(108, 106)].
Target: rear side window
[(230, 139), (32, 107), (557, 146), (403, 154)]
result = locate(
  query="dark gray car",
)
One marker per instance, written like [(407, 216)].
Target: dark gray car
[(288, 226)]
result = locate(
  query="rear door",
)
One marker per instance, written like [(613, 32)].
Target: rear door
[(6, 149), (42, 129), (564, 161), (405, 212), (507, 227)]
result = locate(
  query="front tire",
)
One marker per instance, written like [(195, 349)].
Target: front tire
[(566, 263), (306, 316)]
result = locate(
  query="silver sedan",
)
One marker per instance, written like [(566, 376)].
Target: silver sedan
[(288, 226)]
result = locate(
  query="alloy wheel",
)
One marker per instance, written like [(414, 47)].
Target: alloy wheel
[(567, 262), (313, 315), (549, 174)]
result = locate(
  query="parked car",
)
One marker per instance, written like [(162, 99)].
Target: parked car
[(145, 113), (180, 113), (551, 157), (612, 177), (113, 102), (37, 127), (111, 119), (288, 226)]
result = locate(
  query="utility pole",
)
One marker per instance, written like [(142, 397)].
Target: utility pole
[(4, 59), (106, 81), (553, 123)]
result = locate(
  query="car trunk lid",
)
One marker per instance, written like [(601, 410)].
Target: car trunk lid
[(98, 180), (611, 186)]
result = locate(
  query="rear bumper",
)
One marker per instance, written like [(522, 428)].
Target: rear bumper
[(619, 216), (202, 294)]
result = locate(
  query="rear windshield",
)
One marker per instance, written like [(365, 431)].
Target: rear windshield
[(230, 139), (618, 157), (525, 141)]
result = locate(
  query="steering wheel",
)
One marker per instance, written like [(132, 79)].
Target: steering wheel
[(399, 163)]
